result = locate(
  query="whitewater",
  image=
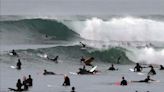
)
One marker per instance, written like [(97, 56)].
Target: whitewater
[(133, 38)]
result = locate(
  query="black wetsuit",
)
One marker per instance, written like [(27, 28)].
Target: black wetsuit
[(19, 64), (66, 82), (161, 67), (48, 73), (14, 53), (29, 81), (25, 85), (84, 71), (73, 89), (123, 82), (111, 68), (19, 86), (137, 68), (146, 80), (152, 71)]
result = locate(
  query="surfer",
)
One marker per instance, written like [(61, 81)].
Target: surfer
[(54, 59), (82, 60), (138, 68), (112, 68), (123, 82), (146, 80), (84, 71), (152, 71), (83, 45), (66, 81), (18, 85), (73, 89), (19, 64), (14, 53), (25, 84), (48, 72), (29, 81), (161, 67)]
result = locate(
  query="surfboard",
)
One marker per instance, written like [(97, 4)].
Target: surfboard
[(42, 55), (73, 73), (12, 67), (131, 69), (93, 68), (11, 54), (139, 73)]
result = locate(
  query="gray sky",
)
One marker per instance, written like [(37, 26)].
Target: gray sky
[(81, 7)]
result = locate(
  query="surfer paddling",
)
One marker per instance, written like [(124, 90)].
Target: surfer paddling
[(48, 72), (146, 80)]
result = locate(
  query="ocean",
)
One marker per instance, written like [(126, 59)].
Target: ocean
[(107, 38)]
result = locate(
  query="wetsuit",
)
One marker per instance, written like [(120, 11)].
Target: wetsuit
[(147, 80), (48, 73), (19, 64), (123, 82), (66, 81), (30, 81), (152, 71), (137, 68), (112, 68), (161, 67)]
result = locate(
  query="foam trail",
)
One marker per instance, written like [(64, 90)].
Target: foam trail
[(147, 55), (120, 29)]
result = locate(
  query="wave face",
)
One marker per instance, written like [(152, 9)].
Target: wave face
[(74, 53), (26, 30), (134, 39)]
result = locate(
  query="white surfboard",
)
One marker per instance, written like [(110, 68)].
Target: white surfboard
[(131, 69), (93, 68), (12, 67), (11, 54), (73, 73), (139, 73), (42, 55)]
